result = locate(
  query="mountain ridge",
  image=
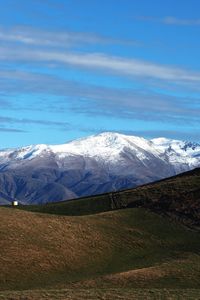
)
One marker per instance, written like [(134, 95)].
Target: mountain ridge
[(93, 165), (99, 141)]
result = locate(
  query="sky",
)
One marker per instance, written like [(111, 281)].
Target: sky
[(73, 68)]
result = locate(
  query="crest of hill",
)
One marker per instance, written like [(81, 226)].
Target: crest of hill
[(177, 196)]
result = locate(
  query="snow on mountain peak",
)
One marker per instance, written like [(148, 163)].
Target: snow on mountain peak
[(179, 146), (23, 153), (161, 141), (109, 146), (103, 144), (106, 145), (31, 151)]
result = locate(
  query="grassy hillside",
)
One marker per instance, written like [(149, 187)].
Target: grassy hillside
[(91, 249), (77, 207), (130, 248)]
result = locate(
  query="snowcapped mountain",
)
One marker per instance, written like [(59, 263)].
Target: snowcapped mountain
[(97, 164)]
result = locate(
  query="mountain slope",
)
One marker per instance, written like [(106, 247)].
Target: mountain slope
[(94, 165), (5, 199)]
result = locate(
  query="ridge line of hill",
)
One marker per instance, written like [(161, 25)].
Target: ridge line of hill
[(177, 197)]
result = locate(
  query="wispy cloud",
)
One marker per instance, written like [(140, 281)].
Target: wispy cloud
[(26, 121), (11, 130), (170, 20), (37, 48), (60, 39), (91, 100), (105, 63)]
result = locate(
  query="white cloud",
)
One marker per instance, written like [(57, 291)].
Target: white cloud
[(62, 39), (93, 100), (113, 64)]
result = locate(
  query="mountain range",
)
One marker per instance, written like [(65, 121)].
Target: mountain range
[(93, 165)]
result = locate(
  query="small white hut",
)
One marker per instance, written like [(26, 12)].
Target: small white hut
[(15, 203)]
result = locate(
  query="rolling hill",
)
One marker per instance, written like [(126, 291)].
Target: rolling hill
[(90, 248), (130, 248)]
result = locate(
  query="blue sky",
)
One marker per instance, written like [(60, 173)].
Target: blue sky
[(71, 68)]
